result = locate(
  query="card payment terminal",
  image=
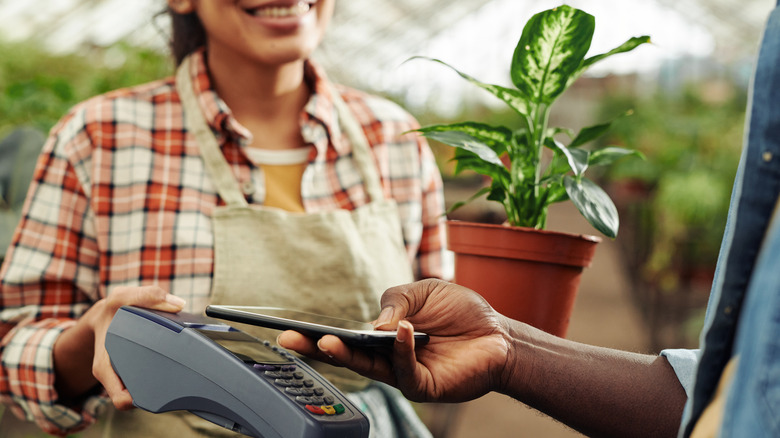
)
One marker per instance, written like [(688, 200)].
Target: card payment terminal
[(189, 362)]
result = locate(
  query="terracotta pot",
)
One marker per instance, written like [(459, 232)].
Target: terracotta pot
[(526, 274)]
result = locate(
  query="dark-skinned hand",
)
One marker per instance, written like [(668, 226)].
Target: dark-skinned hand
[(465, 358)]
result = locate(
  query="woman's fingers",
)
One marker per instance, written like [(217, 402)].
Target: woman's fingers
[(104, 373), (150, 297)]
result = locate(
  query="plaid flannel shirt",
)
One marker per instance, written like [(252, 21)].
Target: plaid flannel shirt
[(120, 196)]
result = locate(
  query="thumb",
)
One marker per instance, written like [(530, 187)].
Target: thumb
[(403, 301), (395, 306)]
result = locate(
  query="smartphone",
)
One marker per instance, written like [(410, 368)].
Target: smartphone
[(355, 333)]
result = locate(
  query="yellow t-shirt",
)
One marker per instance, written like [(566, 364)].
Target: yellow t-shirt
[(283, 170), (709, 423)]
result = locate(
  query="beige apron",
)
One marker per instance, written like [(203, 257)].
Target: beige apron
[(336, 262)]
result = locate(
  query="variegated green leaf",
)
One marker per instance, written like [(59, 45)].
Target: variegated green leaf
[(589, 134), (511, 97), (552, 132), (608, 155), (497, 137), (556, 193), (465, 160), (627, 46), (577, 158), (551, 49), (462, 140), (594, 204), (460, 204)]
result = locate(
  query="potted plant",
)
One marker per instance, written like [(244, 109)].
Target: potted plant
[(524, 271)]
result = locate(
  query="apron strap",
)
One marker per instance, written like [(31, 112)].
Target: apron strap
[(361, 150), (219, 169)]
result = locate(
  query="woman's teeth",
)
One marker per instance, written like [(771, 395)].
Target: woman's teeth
[(295, 10)]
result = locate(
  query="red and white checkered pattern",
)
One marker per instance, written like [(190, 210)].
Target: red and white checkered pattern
[(120, 197)]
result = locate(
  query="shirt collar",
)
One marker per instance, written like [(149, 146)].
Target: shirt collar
[(321, 109), (318, 113), (215, 111)]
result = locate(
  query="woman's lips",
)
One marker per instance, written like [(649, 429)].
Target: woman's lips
[(297, 9)]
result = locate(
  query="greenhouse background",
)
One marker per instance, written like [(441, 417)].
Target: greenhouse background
[(687, 92)]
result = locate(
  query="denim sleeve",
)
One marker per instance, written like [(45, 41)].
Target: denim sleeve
[(684, 363)]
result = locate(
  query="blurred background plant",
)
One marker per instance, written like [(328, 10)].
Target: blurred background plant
[(38, 86), (674, 207)]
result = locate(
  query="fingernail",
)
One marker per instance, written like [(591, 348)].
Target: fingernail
[(384, 318), (323, 349), (174, 300), (406, 326)]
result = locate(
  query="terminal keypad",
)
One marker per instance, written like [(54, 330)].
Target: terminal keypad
[(300, 388)]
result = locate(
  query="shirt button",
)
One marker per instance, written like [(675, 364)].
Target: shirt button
[(248, 188), (767, 156)]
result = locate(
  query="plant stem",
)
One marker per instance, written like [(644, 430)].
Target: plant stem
[(517, 208), (541, 119)]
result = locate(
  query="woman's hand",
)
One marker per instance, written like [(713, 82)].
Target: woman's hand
[(465, 358), (80, 357)]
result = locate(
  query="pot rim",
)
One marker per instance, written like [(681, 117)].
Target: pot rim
[(495, 240)]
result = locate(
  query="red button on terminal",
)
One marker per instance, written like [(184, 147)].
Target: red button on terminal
[(315, 410)]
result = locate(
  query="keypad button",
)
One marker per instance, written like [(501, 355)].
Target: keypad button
[(315, 410), (339, 408), (319, 391), (308, 383), (265, 367), (289, 367), (293, 391), (305, 400), (328, 410), (283, 382), (307, 392), (298, 375), (297, 383), (329, 400), (273, 374), (317, 400)]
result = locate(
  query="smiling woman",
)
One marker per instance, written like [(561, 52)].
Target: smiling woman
[(247, 179)]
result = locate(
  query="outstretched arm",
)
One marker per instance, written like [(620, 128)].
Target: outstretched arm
[(474, 350)]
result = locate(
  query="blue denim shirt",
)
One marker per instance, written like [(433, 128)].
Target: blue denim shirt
[(743, 316)]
